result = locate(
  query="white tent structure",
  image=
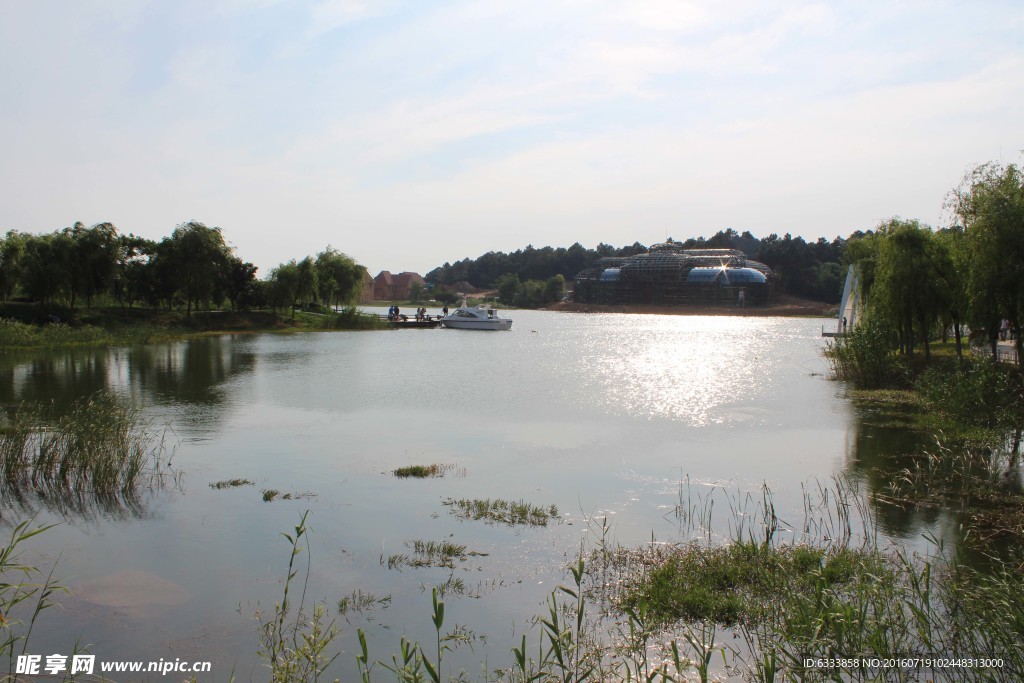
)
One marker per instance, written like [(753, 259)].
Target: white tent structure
[(849, 307)]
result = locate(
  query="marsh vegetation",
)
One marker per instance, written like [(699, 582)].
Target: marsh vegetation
[(757, 606), (424, 471), (100, 453), (430, 554), (230, 483), (502, 511)]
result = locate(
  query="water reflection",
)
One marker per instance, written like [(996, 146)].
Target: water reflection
[(191, 374), (921, 487), (87, 506), (586, 412), (57, 378)]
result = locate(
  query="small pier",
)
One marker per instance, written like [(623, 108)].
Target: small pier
[(411, 323)]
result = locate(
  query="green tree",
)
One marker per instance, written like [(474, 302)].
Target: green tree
[(240, 287), (293, 282), (306, 285), (950, 259), (554, 289), (990, 206), (199, 258), (904, 292), (11, 250), (508, 288), (284, 286), (416, 291), (46, 267), (135, 271), (339, 277), (94, 260)]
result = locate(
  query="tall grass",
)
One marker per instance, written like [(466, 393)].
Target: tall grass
[(975, 392), (22, 596), (99, 452), (15, 334), (824, 594), (865, 357), (755, 608), (350, 318), (294, 643), (503, 511), (435, 470)]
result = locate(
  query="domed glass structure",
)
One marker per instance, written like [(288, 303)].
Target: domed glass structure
[(669, 275)]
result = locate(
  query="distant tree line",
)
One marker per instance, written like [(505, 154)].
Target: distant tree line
[(813, 270), (921, 284), (193, 268)]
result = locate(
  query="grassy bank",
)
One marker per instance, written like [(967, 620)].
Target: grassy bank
[(754, 608), (31, 327)]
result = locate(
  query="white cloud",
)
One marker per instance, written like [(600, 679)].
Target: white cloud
[(435, 132), (328, 15)]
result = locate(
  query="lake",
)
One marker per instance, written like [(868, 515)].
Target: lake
[(627, 418)]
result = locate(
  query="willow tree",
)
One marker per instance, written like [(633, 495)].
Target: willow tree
[(94, 260), (292, 282), (11, 250), (338, 277), (990, 204), (950, 259), (905, 291), (199, 258), (46, 267)]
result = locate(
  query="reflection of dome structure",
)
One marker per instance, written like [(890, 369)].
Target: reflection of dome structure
[(670, 275)]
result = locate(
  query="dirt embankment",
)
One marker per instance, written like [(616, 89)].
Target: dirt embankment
[(784, 305)]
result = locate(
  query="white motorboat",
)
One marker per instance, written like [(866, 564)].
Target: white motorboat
[(477, 318)]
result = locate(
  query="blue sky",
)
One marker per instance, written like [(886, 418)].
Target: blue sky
[(408, 134)]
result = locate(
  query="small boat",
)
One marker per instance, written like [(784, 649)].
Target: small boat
[(477, 318)]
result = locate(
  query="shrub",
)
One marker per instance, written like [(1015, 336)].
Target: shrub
[(865, 357), (976, 391)]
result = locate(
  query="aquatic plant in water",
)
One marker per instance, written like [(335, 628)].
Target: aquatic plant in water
[(503, 511), (430, 554), (22, 596), (230, 483), (423, 471), (101, 452)]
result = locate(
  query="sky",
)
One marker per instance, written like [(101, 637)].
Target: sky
[(408, 134)]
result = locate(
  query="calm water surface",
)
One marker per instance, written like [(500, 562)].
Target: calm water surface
[(613, 416)]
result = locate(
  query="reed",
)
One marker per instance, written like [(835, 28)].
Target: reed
[(668, 617), (358, 601), (975, 392), (101, 450), (423, 471), (866, 357), (231, 483), (429, 554), (22, 596), (503, 511), (293, 643)]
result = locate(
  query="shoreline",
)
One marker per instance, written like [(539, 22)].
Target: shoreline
[(784, 306)]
